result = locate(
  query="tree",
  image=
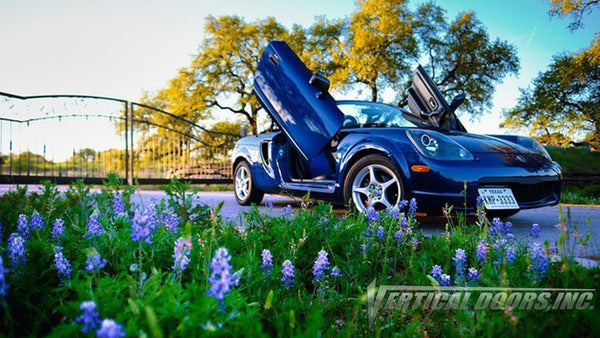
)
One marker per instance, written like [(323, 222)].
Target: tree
[(563, 99), (576, 9), (381, 44), (460, 57), (215, 145)]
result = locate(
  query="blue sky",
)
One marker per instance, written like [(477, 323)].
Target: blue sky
[(119, 48)]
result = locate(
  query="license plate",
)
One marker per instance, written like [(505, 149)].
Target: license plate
[(498, 198)]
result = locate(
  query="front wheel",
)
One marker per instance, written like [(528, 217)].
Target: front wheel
[(373, 181), (246, 192)]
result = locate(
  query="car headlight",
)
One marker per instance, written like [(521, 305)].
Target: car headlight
[(533, 145), (438, 146)]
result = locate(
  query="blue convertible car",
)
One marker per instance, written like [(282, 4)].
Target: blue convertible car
[(375, 155)]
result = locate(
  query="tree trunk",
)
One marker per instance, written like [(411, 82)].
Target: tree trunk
[(374, 92)]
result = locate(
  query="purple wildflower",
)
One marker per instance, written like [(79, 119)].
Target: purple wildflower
[(267, 261), (16, 249), (535, 231), (37, 222), (402, 204), (3, 284), (62, 264), (473, 275), (481, 252), (445, 280), (144, 224), (336, 272), (23, 226), (380, 233), (404, 223), (539, 261), (368, 232), (479, 202), (171, 221), (415, 242), (94, 261), (320, 267), (90, 318), (58, 228), (287, 210), (94, 226), (372, 215), (363, 248), (398, 236), (221, 280), (181, 252), (460, 258), (511, 254), (110, 329), (436, 272), (412, 207), (395, 212), (269, 204), (287, 274), (118, 206)]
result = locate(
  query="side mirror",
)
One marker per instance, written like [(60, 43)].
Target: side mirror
[(456, 102), (243, 131), (320, 82)]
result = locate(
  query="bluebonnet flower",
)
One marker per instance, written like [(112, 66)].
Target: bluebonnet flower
[(221, 280), (110, 329), (394, 212), (94, 226), (336, 272), (181, 253), (118, 206), (90, 318), (380, 233), (481, 252), (94, 261), (473, 275), (415, 242), (287, 210), (144, 224), (436, 272), (62, 264), (372, 215), (16, 249), (496, 227), (287, 274), (511, 254), (23, 226), (267, 261), (509, 237), (402, 204), (460, 259), (404, 223), (412, 207), (320, 267), (58, 228), (479, 202), (363, 248), (507, 227), (539, 261), (269, 204), (37, 222), (3, 272), (368, 232), (171, 221), (535, 231), (398, 236), (445, 280)]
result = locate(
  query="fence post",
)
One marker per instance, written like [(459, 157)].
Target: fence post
[(126, 132), (132, 153)]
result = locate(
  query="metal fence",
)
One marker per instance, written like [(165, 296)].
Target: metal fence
[(67, 137)]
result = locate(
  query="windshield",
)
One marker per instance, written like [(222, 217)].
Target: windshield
[(373, 114)]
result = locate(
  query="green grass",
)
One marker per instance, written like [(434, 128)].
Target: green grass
[(139, 289), (589, 195), (576, 159)]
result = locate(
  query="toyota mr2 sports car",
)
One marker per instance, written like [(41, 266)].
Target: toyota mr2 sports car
[(375, 155)]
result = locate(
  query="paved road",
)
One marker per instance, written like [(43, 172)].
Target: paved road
[(586, 218)]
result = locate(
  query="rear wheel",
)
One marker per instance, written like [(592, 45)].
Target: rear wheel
[(245, 191), (373, 181)]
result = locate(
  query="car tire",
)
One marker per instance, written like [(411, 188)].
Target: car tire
[(244, 190), (387, 185), (491, 214)]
